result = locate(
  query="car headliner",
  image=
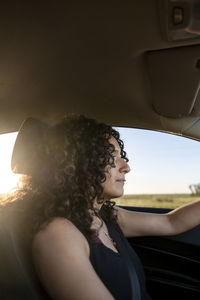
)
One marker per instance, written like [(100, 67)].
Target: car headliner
[(106, 59)]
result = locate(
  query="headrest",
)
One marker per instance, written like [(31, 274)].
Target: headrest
[(30, 139)]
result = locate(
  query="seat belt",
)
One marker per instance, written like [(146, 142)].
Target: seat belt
[(135, 285)]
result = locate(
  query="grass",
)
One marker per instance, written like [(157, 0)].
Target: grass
[(156, 200)]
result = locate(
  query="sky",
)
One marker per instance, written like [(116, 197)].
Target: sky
[(160, 163)]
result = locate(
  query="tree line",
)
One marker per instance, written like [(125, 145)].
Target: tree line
[(195, 189)]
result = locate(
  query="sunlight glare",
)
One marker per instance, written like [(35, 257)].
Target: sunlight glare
[(8, 179)]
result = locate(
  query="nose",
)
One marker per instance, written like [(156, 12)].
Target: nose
[(124, 168)]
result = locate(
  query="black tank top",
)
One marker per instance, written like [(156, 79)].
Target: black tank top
[(112, 269)]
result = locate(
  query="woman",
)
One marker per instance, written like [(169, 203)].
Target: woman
[(72, 171)]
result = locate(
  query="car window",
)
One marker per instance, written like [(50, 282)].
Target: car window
[(164, 169), (8, 179)]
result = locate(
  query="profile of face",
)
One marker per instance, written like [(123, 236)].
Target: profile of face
[(113, 186)]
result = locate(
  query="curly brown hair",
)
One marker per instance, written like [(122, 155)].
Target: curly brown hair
[(72, 170)]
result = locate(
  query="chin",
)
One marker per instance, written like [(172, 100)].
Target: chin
[(117, 195), (113, 195)]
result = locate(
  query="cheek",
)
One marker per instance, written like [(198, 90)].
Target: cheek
[(108, 184), (109, 175)]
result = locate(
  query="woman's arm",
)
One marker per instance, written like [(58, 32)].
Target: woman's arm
[(61, 257), (177, 221)]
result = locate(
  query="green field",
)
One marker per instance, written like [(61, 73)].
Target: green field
[(156, 200)]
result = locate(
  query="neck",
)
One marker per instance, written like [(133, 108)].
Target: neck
[(97, 206)]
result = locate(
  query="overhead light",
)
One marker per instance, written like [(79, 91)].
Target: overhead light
[(178, 15), (180, 19)]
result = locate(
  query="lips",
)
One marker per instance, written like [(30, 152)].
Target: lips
[(121, 180)]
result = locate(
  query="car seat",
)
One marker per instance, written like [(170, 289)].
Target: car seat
[(18, 279)]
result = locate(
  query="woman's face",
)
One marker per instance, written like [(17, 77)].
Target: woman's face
[(115, 177)]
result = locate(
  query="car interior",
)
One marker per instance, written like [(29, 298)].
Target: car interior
[(127, 63)]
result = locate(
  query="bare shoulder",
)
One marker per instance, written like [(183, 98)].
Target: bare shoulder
[(121, 215), (60, 232), (61, 259)]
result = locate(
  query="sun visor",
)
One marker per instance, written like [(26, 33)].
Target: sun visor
[(175, 77)]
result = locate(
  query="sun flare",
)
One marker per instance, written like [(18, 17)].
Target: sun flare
[(8, 179)]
